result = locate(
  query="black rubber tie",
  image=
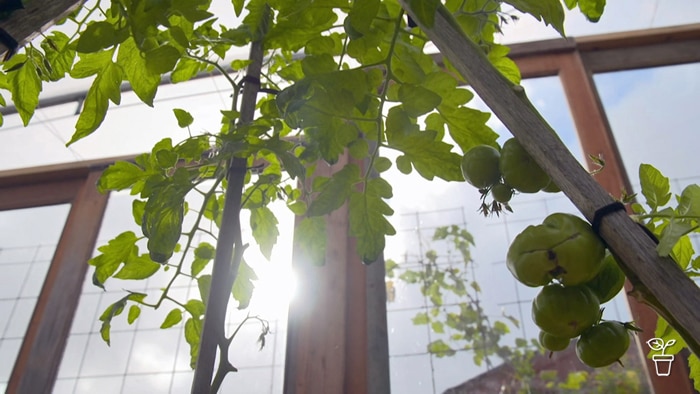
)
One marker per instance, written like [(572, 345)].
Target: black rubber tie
[(600, 213)]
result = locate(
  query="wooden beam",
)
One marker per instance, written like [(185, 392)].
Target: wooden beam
[(597, 139), (38, 194), (42, 349), (35, 18)]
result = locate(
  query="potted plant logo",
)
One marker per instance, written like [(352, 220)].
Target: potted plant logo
[(662, 361)]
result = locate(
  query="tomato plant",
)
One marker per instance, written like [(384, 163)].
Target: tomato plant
[(603, 344)]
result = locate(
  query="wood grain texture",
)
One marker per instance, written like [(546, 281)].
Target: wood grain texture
[(661, 276), (35, 18), (42, 349)]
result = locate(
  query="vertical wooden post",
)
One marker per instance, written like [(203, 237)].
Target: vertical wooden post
[(42, 349), (330, 348), (597, 140)]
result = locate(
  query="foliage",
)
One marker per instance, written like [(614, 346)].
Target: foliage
[(365, 83), (673, 220)]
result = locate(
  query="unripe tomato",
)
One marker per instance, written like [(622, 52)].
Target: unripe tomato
[(603, 344), (501, 193), (520, 170), (480, 166), (563, 247), (551, 188), (552, 343), (609, 280), (565, 312)]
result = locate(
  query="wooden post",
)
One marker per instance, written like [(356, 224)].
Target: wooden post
[(42, 349), (330, 346)]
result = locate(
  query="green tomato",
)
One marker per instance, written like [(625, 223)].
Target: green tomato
[(603, 344), (565, 312), (520, 170), (501, 193), (563, 247), (551, 188), (553, 343), (609, 281), (480, 166)]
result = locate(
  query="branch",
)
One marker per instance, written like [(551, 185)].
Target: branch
[(659, 281), (226, 262)]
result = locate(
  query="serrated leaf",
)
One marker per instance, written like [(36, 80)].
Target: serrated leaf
[(549, 11), (592, 9), (694, 365), (671, 234), (440, 348), (310, 239), (655, 187), (162, 59), (184, 118), (367, 218), (105, 87), (25, 85), (418, 100), (362, 14), (185, 70), (120, 175), (117, 251), (243, 286), (137, 267), (162, 218), (429, 156), (683, 252), (193, 334), (421, 318), (173, 317), (134, 313), (425, 11), (143, 82), (689, 204), (195, 307), (335, 192), (263, 223), (96, 36)]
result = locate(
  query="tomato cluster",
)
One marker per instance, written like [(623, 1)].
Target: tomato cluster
[(569, 260), (502, 172)]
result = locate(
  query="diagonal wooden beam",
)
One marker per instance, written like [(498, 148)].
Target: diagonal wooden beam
[(37, 16)]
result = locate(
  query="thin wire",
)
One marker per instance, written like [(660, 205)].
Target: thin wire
[(653, 13)]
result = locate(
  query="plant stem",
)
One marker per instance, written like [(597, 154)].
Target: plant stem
[(226, 262)]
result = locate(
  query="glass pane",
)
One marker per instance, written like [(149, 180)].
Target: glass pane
[(28, 238), (423, 206), (143, 358)]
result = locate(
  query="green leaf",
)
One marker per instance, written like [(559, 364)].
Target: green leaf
[(117, 251), (440, 348), (689, 204), (243, 287), (694, 365), (424, 11), (120, 175), (134, 312), (105, 87), (421, 318), (137, 267), (438, 327), (362, 14), (143, 82), (367, 221), (592, 9), (193, 334), (162, 59), (115, 310), (91, 64), (263, 223), (311, 240), (335, 192), (671, 234), (238, 6), (549, 11), (25, 85), (418, 100), (195, 307), (204, 285), (184, 118), (96, 36), (185, 70), (429, 156), (683, 252), (203, 254), (173, 317), (655, 187), (162, 219)]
